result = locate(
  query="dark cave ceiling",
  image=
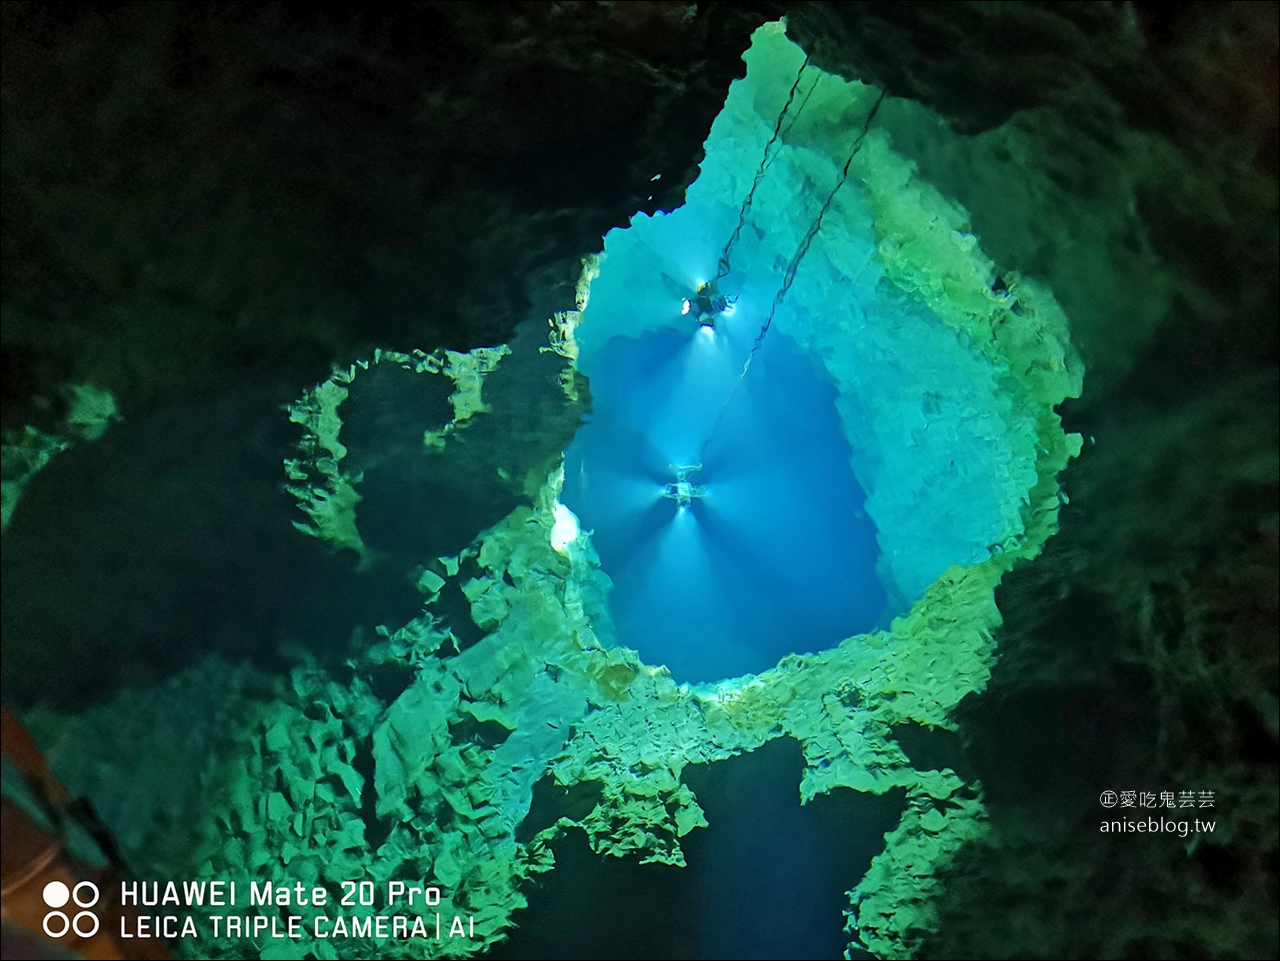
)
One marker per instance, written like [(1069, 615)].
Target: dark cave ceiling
[(198, 197)]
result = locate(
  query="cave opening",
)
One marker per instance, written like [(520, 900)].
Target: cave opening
[(765, 550), (766, 476)]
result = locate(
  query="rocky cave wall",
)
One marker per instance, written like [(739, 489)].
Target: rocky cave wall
[(191, 201), (1126, 154)]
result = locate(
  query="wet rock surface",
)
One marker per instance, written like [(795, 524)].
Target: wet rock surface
[(199, 197)]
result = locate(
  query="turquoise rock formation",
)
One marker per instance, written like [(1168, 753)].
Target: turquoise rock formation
[(947, 371)]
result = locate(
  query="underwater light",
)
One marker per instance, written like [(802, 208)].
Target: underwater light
[(565, 530), (684, 306), (683, 491), (708, 304)]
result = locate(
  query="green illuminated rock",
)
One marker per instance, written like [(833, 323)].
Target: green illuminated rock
[(947, 383), (90, 412)]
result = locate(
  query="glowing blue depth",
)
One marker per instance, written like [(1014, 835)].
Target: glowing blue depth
[(726, 555)]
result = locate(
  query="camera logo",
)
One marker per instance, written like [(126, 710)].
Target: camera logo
[(84, 895)]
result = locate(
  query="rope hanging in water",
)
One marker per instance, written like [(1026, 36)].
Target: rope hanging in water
[(723, 268), (789, 276)]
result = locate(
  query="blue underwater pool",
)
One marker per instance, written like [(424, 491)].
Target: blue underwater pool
[(765, 549)]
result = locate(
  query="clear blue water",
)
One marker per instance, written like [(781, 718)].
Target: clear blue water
[(778, 557)]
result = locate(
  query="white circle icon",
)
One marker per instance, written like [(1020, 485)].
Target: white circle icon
[(58, 917), (56, 923), (85, 924), (56, 894)]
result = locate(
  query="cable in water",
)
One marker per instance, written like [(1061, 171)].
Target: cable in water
[(723, 268), (790, 275)]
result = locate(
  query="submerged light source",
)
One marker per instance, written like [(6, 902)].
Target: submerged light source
[(707, 304), (684, 491), (565, 530)]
